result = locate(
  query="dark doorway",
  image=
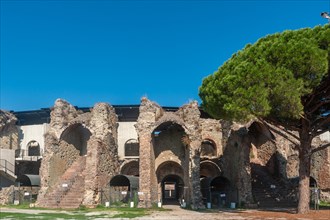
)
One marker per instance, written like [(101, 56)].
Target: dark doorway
[(172, 189), (220, 191)]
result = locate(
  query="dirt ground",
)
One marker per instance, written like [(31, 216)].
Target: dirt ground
[(281, 214), (286, 214)]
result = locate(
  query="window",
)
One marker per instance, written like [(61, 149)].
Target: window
[(132, 148)]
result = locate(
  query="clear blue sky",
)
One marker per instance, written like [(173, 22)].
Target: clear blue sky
[(118, 51)]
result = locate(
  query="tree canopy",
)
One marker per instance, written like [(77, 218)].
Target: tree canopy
[(282, 79), (270, 78)]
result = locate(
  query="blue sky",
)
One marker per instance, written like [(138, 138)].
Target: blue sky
[(119, 51)]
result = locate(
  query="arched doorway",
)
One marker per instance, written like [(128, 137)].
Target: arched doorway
[(208, 171), (170, 182), (172, 189), (220, 191), (77, 135)]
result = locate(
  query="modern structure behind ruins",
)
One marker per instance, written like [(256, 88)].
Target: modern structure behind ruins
[(178, 155)]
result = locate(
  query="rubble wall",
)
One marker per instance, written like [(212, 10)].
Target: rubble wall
[(73, 134), (8, 131), (235, 163), (286, 161)]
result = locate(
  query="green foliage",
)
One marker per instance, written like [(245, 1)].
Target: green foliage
[(14, 215), (129, 214), (270, 77)]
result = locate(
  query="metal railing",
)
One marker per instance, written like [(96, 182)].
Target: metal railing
[(28, 155), (131, 199), (6, 166)]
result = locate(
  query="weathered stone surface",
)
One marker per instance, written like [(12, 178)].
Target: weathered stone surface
[(171, 142), (236, 163), (277, 152), (8, 131), (6, 195), (79, 147)]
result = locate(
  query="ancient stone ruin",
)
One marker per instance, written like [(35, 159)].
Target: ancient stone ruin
[(80, 156), (177, 156)]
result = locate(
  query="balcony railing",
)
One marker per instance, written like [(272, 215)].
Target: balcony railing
[(7, 167), (28, 155)]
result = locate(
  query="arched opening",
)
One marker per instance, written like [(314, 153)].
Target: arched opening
[(131, 183), (312, 182), (170, 137), (132, 148), (123, 188), (77, 135), (131, 168), (28, 180), (170, 179), (209, 169), (220, 191), (172, 189), (33, 148), (208, 149)]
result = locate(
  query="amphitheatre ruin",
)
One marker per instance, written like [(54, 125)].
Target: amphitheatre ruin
[(69, 156)]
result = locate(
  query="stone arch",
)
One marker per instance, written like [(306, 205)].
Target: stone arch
[(77, 135), (312, 182), (208, 148), (170, 117), (170, 177), (33, 148), (168, 168), (221, 191), (209, 169), (172, 189), (169, 139), (132, 148), (130, 168)]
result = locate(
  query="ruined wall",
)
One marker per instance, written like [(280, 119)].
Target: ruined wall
[(149, 113), (320, 169), (169, 146), (8, 131), (102, 161), (173, 140), (235, 162), (279, 155), (211, 130), (85, 144)]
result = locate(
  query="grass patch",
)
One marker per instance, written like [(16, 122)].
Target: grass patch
[(79, 213), (324, 205), (12, 215), (130, 214)]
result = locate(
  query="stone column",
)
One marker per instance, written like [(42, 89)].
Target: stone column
[(194, 176), (147, 168)]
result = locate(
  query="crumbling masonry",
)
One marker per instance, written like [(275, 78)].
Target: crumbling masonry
[(181, 155)]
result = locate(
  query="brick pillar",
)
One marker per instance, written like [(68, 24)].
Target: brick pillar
[(194, 174), (147, 182)]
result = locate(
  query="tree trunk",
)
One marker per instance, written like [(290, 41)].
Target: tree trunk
[(304, 171)]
